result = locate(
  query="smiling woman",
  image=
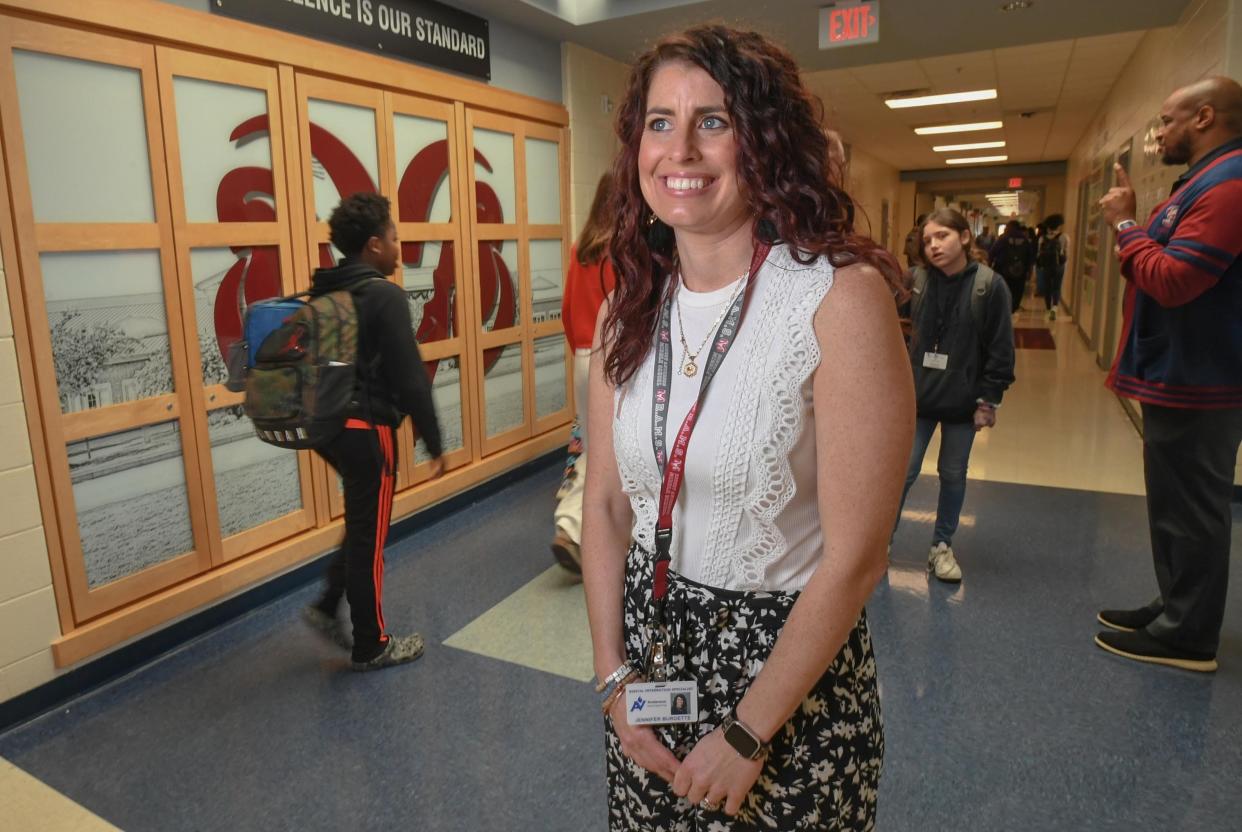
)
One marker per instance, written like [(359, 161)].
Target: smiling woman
[(737, 264)]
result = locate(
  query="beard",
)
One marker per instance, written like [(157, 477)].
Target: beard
[(1177, 153)]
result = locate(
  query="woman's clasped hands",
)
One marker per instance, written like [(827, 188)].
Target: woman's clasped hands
[(713, 775)]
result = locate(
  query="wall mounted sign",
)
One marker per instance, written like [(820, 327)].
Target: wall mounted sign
[(416, 30), (848, 23), (1015, 181)]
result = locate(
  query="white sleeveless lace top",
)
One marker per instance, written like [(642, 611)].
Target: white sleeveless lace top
[(747, 516)]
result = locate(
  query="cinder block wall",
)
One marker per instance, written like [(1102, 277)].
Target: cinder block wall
[(28, 620)]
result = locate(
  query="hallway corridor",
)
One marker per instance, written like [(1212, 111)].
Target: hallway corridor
[(1000, 712)]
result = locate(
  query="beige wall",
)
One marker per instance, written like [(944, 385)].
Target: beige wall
[(870, 182), (1164, 60), (1233, 57), (28, 620), (588, 77)]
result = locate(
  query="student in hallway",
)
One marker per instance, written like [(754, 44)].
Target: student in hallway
[(1181, 358), (1050, 262), (588, 282), (961, 352), (1012, 257), (392, 383)]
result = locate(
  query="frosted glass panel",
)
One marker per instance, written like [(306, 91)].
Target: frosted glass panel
[(129, 491), (550, 376), (547, 280), (85, 139), (427, 273), (343, 149), (226, 281), (499, 285), (423, 181), (255, 482), (238, 170), (108, 326), (543, 183), (446, 391), (495, 190), (502, 387)]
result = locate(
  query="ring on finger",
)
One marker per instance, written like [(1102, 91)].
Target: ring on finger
[(708, 805)]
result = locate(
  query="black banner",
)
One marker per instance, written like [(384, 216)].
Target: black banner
[(418, 30)]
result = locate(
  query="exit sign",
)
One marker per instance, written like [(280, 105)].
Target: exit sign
[(1015, 182), (849, 23)]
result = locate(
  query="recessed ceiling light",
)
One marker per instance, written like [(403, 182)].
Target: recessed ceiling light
[(970, 160), (943, 98), (1016, 5), (959, 128), (946, 148)]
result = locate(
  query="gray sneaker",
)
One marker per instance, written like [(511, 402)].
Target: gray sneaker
[(398, 650), (328, 626)]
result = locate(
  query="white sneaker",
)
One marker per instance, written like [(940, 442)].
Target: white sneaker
[(942, 564)]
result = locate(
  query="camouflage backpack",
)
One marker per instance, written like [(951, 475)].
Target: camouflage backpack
[(300, 356)]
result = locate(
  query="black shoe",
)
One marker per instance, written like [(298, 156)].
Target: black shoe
[(1127, 621), (397, 650), (567, 553), (1145, 648)]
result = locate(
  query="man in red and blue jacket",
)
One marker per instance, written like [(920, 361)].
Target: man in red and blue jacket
[(1181, 358)]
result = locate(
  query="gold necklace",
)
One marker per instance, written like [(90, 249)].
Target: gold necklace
[(689, 360)]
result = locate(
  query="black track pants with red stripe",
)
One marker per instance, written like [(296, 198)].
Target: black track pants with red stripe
[(366, 458)]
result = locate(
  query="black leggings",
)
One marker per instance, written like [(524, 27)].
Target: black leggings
[(365, 456)]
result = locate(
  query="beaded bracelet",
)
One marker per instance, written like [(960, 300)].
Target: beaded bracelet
[(613, 677), (613, 686), (616, 692)]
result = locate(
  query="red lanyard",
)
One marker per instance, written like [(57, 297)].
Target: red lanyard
[(674, 470)]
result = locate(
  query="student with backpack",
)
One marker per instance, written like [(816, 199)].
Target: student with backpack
[(391, 382), (1012, 257), (1050, 261), (962, 356)]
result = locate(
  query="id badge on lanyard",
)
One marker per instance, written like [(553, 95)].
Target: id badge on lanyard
[(654, 701)]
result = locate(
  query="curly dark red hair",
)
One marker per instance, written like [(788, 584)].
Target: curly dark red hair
[(793, 187)]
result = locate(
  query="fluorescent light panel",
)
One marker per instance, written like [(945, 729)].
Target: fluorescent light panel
[(970, 160), (946, 148), (943, 98), (958, 128)]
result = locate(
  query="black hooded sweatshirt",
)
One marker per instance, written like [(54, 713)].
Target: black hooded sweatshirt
[(980, 364), (396, 381)]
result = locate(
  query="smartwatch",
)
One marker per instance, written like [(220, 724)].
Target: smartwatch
[(743, 740), (1124, 224)]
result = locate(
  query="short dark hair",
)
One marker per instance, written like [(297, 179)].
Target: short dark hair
[(358, 218)]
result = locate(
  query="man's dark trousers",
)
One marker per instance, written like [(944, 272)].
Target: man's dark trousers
[(366, 458), (1188, 462)]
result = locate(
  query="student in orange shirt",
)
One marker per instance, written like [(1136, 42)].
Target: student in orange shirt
[(588, 282)]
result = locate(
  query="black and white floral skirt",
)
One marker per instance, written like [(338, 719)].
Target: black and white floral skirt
[(824, 769)]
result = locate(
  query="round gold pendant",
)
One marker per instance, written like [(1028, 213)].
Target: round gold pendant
[(690, 369)]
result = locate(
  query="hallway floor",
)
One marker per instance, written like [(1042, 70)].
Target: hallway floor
[(1000, 712)]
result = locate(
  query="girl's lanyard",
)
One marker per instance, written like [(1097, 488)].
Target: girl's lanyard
[(673, 464)]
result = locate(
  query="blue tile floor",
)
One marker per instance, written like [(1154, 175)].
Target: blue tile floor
[(1000, 712)]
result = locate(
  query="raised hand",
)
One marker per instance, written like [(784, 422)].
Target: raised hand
[(1119, 203)]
